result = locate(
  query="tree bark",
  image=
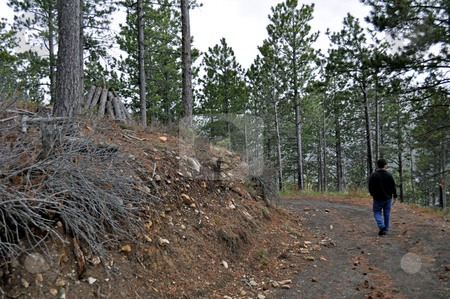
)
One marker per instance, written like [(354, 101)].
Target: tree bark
[(325, 181), (109, 109), (96, 97), (370, 162), (142, 87), (101, 108), (89, 97), (339, 172), (51, 50), (68, 86), (187, 62), (299, 145), (280, 166)]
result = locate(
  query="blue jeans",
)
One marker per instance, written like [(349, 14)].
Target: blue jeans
[(378, 206)]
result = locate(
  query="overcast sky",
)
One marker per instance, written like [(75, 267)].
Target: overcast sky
[(243, 22)]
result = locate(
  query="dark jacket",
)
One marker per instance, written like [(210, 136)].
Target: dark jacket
[(382, 185)]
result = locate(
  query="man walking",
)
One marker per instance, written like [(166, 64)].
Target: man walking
[(382, 187)]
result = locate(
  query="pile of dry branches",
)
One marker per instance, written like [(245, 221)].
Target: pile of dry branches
[(55, 172)]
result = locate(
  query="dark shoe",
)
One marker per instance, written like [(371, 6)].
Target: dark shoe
[(385, 233), (382, 230)]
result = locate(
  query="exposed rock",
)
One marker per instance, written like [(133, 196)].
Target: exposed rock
[(126, 248), (60, 283), (192, 162), (163, 242), (186, 199), (35, 263), (25, 283)]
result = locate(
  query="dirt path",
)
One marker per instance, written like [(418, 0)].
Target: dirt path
[(410, 262)]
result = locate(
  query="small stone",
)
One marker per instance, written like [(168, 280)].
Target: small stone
[(35, 263), (60, 283), (126, 248), (25, 283), (314, 279), (232, 206), (253, 283), (286, 286), (275, 284), (54, 292), (147, 238), (304, 250), (39, 278), (327, 211), (261, 296), (182, 226), (96, 260), (287, 281), (163, 242), (227, 297), (306, 209), (310, 258), (91, 280), (447, 268), (59, 224), (243, 293), (225, 264), (163, 139), (265, 288), (157, 178)]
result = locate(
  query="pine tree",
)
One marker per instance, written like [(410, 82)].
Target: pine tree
[(289, 28)]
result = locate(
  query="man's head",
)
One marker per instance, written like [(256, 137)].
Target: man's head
[(381, 163)]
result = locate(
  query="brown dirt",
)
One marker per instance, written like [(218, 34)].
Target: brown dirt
[(364, 265)]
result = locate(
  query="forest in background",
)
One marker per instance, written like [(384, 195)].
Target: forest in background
[(323, 119)]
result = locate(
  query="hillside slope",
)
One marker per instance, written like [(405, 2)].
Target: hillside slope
[(102, 210)]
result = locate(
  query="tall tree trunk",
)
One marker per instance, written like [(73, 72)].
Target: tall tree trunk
[(339, 176), (51, 50), (325, 181), (299, 142), (370, 162), (412, 175), (280, 166), (319, 161), (377, 122), (142, 87), (187, 62), (82, 51), (443, 180), (68, 85), (400, 173)]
